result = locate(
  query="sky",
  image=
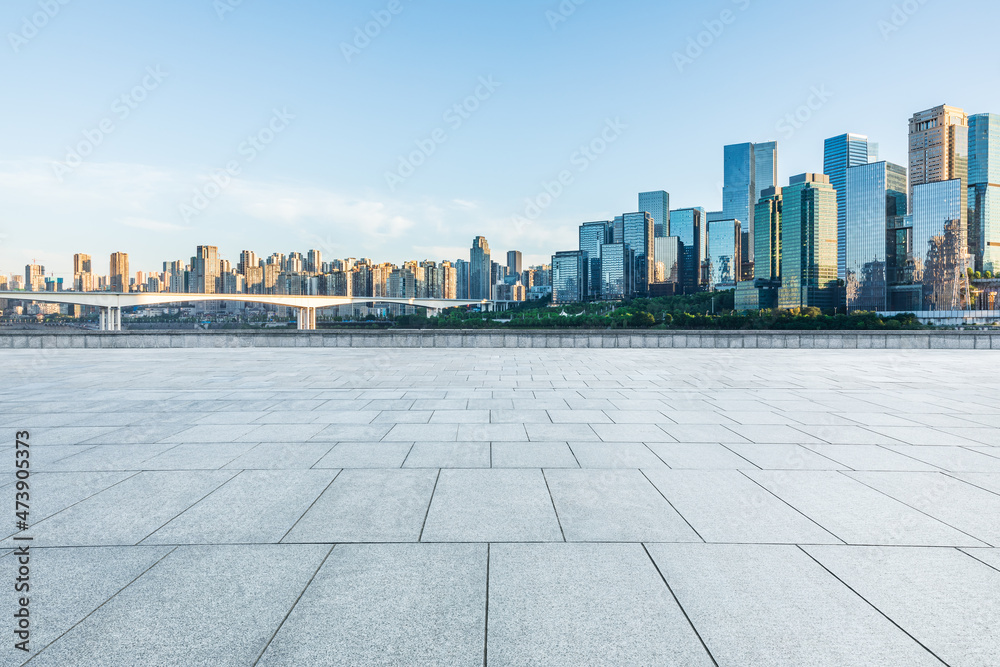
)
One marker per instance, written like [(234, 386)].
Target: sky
[(402, 129)]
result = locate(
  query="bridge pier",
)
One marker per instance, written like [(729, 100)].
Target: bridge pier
[(306, 319), (110, 318)]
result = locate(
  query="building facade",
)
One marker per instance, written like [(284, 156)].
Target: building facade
[(808, 243), (690, 225), (638, 235), (593, 235), (840, 154), (874, 204), (119, 274), (657, 204), (480, 270), (569, 276), (724, 254), (984, 191)]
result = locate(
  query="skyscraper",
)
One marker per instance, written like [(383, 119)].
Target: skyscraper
[(314, 261), (767, 236), (724, 251), (984, 191), (940, 245), (939, 146), (206, 269), (616, 271), (657, 204), (569, 275), (637, 233), (119, 272), (840, 153), (34, 278), (461, 279), (668, 261), (514, 263), (691, 226), (875, 202), (593, 235), (808, 243), (480, 269), (749, 169)]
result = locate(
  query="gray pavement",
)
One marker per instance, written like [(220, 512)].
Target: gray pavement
[(506, 507)]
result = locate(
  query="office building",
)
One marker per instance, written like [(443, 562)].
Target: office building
[(617, 260), (668, 261), (808, 243), (480, 270), (875, 203), (767, 236), (690, 225), (940, 257), (749, 169), (840, 153), (637, 233), (657, 204), (938, 147), (724, 254), (514, 263), (569, 276), (984, 191), (34, 278), (119, 272), (314, 261), (593, 235)]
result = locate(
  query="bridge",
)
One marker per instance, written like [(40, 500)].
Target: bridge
[(111, 303)]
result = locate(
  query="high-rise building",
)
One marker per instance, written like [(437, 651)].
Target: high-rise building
[(462, 279), (593, 235), (514, 263), (668, 260), (248, 258), (637, 233), (767, 236), (724, 254), (314, 261), (616, 271), (690, 225), (569, 276), (206, 269), (657, 204), (808, 243), (749, 169), (480, 269), (875, 201), (119, 272), (939, 147), (840, 153), (940, 255), (984, 191), (34, 278), (82, 264)]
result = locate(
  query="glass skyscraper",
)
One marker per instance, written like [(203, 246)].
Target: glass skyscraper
[(723, 254), (690, 225), (840, 154), (875, 202), (637, 233), (749, 169), (668, 260), (569, 276), (984, 191), (657, 204), (767, 236), (808, 243), (616, 271), (480, 270), (940, 245), (593, 235)]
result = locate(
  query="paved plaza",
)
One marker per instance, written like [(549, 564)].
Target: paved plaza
[(506, 507)]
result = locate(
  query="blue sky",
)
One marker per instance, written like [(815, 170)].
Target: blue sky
[(200, 77)]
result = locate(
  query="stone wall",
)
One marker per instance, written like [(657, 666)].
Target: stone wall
[(923, 340)]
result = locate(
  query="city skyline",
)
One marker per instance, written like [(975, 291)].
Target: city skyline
[(321, 181)]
